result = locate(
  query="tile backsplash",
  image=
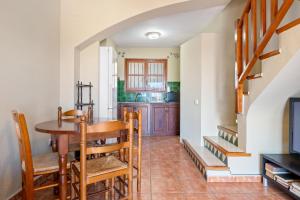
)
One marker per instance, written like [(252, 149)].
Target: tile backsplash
[(124, 96)]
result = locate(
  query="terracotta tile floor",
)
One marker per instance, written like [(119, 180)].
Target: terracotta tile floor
[(169, 174)]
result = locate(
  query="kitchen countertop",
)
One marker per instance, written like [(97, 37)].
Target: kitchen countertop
[(131, 102)]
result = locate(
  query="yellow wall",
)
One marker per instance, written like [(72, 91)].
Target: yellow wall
[(29, 79), (151, 53)]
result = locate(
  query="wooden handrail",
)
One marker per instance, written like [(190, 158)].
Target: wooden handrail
[(242, 40)]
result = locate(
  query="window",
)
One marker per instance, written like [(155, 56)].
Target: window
[(145, 75)]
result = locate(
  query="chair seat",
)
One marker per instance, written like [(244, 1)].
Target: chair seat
[(48, 162), (103, 165)]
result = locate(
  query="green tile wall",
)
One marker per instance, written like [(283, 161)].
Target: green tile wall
[(124, 96)]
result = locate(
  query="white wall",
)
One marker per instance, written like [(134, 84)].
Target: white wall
[(89, 72), (29, 78), (151, 53), (190, 87)]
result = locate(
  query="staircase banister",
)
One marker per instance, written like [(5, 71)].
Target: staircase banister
[(266, 38)]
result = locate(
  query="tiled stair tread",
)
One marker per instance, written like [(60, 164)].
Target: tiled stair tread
[(207, 159), (226, 147), (229, 128)]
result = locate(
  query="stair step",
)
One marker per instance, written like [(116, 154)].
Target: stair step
[(229, 133), (232, 129), (203, 158), (225, 147)]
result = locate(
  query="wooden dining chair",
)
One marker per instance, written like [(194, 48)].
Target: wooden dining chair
[(33, 166), (72, 116), (137, 117), (108, 167)]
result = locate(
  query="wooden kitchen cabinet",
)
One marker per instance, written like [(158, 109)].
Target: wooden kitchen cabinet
[(165, 119), (144, 107), (158, 118), (173, 119)]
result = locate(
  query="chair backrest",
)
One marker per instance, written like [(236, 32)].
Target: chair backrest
[(24, 149), (137, 117), (103, 127), (71, 115)]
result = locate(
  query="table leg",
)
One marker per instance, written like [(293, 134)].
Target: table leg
[(63, 144)]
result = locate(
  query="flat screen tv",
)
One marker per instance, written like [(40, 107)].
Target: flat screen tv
[(294, 125)]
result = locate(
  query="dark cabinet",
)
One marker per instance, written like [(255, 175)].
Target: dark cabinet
[(173, 119), (158, 118), (165, 119)]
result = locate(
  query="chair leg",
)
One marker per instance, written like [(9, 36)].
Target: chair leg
[(129, 189), (73, 179), (55, 189), (107, 191), (113, 188)]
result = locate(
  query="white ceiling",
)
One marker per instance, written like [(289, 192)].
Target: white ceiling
[(174, 29)]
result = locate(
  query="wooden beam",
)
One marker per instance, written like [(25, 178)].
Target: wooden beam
[(239, 48), (263, 15), (288, 26), (239, 98), (246, 10), (269, 54), (254, 76), (254, 24), (246, 47), (274, 9)]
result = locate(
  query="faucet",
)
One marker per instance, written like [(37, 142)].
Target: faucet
[(137, 95)]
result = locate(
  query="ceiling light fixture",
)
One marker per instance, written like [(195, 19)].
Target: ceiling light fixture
[(153, 35)]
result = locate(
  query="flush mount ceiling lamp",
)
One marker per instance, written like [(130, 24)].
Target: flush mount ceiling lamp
[(153, 35)]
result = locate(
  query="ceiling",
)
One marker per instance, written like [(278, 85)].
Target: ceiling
[(174, 29)]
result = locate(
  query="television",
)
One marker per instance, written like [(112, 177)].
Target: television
[(294, 126)]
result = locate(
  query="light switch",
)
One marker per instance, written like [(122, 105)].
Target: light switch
[(196, 101)]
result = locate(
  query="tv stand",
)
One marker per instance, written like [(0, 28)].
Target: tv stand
[(290, 162)]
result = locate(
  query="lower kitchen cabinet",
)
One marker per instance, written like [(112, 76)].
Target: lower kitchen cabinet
[(165, 119), (144, 107), (159, 119), (173, 119)]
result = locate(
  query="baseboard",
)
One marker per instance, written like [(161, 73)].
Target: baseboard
[(39, 180), (235, 178), (16, 196)]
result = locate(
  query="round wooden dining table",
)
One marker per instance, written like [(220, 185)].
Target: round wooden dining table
[(62, 131)]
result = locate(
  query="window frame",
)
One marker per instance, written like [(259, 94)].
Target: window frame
[(146, 75)]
